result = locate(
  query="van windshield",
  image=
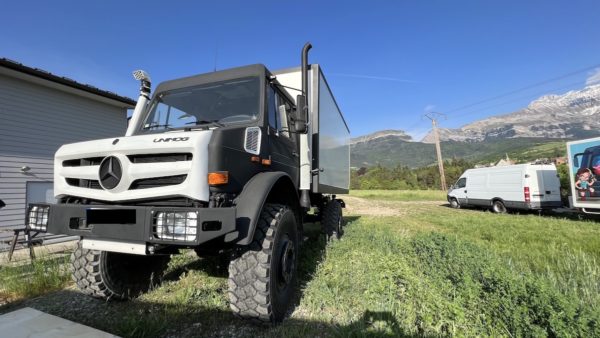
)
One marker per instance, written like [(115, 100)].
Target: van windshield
[(209, 105)]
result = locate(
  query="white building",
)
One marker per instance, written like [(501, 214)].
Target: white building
[(39, 112)]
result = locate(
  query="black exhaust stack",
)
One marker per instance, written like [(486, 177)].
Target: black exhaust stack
[(302, 106), (305, 50)]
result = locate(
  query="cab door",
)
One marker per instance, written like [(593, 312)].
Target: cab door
[(460, 191), (282, 141)]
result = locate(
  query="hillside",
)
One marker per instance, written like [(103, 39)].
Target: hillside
[(392, 151), (382, 134)]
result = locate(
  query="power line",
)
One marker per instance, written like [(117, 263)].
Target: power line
[(537, 94), (524, 88)]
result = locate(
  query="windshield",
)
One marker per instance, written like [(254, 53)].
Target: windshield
[(209, 105)]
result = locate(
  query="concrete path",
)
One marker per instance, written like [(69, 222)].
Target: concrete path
[(32, 323)]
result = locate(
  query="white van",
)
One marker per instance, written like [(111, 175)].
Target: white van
[(521, 186)]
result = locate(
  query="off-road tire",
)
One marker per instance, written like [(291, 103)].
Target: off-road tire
[(498, 207), (454, 203), (332, 220), (263, 275), (115, 276)]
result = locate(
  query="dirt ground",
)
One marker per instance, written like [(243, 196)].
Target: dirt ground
[(369, 207)]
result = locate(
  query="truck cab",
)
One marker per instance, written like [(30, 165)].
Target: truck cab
[(222, 163)]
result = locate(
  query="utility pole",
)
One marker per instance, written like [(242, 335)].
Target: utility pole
[(438, 149)]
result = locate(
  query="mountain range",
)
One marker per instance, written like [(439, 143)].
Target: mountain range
[(538, 130), (575, 114)]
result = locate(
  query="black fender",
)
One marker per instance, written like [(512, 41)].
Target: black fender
[(273, 185)]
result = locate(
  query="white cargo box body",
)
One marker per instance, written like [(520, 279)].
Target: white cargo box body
[(522, 186), (584, 156), (330, 141)]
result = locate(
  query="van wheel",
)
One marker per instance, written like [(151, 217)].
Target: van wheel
[(498, 207), (262, 278), (454, 203)]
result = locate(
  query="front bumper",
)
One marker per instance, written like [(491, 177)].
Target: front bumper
[(141, 224)]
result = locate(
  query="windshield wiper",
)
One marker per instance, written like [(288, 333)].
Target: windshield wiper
[(203, 122), (158, 126)]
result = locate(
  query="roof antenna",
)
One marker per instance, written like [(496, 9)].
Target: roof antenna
[(216, 54)]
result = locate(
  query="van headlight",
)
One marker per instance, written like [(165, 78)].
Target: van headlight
[(37, 217), (175, 225)]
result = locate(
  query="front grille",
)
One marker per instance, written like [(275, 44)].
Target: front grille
[(76, 182), (82, 162), (144, 183), (140, 158), (154, 202), (156, 158), (155, 182), (252, 140)]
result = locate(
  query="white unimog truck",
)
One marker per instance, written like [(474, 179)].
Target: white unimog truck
[(228, 162)]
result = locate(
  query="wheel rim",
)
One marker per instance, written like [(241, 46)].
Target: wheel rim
[(498, 207), (287, 262)]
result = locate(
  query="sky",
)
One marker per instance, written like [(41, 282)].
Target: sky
[(387, 62)]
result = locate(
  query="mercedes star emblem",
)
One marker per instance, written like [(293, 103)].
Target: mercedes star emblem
[(110, 172)]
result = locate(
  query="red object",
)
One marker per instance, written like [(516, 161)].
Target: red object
[(527, 195), (596, 169)]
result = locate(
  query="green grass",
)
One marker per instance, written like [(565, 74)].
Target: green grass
[(43, 275), (434, 271), (401, 195), (494, 277)]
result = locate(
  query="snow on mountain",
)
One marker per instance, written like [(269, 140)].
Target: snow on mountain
[(573, 114)]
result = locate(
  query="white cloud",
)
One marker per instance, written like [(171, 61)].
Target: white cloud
[(593, 77)]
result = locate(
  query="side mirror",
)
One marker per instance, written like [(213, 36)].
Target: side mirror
[(576, 160), (301, 117)]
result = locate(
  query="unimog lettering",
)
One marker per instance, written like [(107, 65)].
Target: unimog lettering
[(169, 139)]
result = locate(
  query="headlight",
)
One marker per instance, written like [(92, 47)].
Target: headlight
[(175, 226), (37, 218)]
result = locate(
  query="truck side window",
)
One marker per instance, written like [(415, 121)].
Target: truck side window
[(461, 183), (283, 122), (279, 110), (272, 108)]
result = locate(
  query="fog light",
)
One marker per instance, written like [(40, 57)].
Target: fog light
[(37, 217), (175, 226)]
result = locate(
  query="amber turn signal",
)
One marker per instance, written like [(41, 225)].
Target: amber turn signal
[(218, 178), (266, 161), (255, 159)]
